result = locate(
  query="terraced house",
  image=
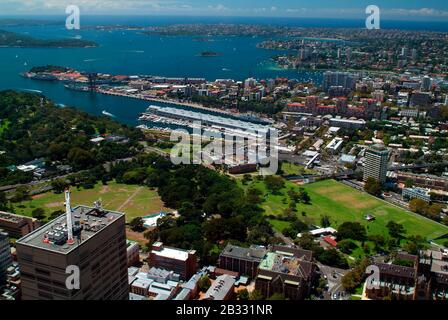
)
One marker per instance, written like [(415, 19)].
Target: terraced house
[(421, 277)]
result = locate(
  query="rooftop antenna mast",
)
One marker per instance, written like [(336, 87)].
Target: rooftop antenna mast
[(68, 211)]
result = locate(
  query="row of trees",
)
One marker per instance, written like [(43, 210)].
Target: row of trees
[(430, 210)]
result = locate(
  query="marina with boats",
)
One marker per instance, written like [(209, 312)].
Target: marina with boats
[(170, 116)]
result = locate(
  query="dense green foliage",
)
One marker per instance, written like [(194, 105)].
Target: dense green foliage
[(355, 277), (49, 68), (212, 208), (33, 127), (329, 257), (373, 187), (12, 39), (352, 230)]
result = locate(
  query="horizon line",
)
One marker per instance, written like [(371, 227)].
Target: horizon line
[(425, 19)]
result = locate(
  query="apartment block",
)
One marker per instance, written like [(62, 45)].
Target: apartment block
[(376, 160)]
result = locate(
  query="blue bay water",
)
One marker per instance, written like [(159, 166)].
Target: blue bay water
[(133, 53)]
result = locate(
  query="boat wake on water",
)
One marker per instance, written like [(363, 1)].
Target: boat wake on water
[(31, 90), (108, 114), (133, 51)]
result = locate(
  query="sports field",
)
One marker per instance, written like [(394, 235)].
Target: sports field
[(134, 201), (342, 203)]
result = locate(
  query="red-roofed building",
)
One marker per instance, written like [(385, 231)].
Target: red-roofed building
[(295, 104), (281, 80), (121, 78), (330, 240)]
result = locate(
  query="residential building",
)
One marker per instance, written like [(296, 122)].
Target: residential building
[(434, 266), (347, 159), (190, 289), (334, 146), (183, 262), (409, 113), (13, 283), (5, 257), (422, 277), (133, 252), (420, 99), (348, 123), (416, 193), (156, 284), (423, 180), (99, 250), (396, 282), (221, 289), (376, 160), (242, 260), (287, 271), (337, 78), (426, 84), (17, 226)]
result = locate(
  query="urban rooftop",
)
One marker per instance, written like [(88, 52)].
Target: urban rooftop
[(87, 221)]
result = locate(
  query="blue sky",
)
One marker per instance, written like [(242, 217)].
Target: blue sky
[(390, 9)]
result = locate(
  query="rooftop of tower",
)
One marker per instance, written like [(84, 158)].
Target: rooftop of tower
[(87, 222)]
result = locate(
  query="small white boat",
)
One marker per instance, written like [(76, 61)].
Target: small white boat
[(108, 114)]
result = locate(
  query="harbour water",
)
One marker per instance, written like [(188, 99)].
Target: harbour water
[(131, 52)]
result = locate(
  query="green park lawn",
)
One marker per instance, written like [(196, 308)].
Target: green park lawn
[(293, 169), (279, 225), (342, 203), (133, 200)]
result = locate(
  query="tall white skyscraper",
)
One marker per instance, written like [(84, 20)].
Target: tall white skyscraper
[(404, 51)]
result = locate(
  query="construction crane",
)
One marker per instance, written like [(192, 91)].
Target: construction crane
[(68, 211)]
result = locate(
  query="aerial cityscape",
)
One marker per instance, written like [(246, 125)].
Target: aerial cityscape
[(197, 151)]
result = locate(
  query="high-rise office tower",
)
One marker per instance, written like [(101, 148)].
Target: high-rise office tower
[(98, 250), (375, 165), (426, 84), (414, 54), (404, 51), (311, 104), (5, 256), (337, 78), (348, 54), (249, 83)]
